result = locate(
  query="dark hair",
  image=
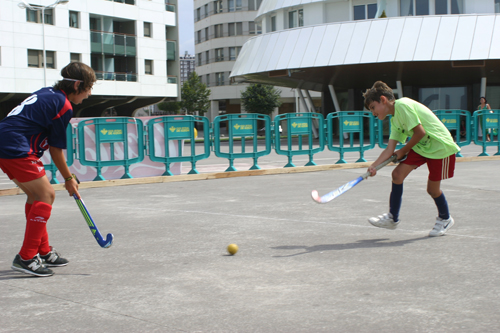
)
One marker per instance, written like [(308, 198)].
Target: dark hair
[(374, 93), (76, 71), (485, 100)]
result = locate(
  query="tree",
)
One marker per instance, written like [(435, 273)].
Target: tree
[(171, 107), (194, 95), (261, 98)]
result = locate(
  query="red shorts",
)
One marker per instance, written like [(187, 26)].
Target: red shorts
[(439, 169), (23, 169)]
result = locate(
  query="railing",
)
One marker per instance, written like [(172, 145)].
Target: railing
[(116, 76), (116, 44)]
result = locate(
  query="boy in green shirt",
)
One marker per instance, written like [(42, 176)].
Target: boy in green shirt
[(430, 143)]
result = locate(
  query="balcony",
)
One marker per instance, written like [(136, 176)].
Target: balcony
[(169, 7), (113, 43), (116, 76)]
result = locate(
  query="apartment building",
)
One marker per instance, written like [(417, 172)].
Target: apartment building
[(131, 45), (187, 62), (221, 29), (444, 53)]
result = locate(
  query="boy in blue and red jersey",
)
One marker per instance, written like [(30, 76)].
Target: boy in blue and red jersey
[(37, 124)]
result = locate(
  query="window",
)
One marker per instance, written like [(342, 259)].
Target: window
[(147, 29), (75, 57), (74, 19), (36, 16), (206, 10), (217, 30), (208, 80), (198, 36), (254, 4), (239, 28), (444, 97), (219, 54), (363, 12), (198, 14), (273, 23), (207, 37), (199, 59), (497, 6), (231, 29), (443, 7), (414, 7), (218, 6), (296, 18), (251, 28), (234, 52), (35, 59), (207, 57), (233, 5), (219, 79), (148, 67)]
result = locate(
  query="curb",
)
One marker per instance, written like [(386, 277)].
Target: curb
[(232, 174)]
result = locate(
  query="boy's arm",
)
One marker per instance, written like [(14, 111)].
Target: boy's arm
[(60, 162), (384, 155), (418, 134)]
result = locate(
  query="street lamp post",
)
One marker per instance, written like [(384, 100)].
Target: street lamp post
[(24, 5)]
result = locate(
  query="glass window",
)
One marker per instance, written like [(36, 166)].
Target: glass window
[(301, 18), (372, 10), (251, 28), (219, 54), (406, 8), (359, 12), (292, 19), (218, 6), (51, 59), (444, 98), (273, 23), (207, 35), (49, 16), (422, 7), (231, 29), (457, 6), (34, 58), (219, 79), (75, 57), (230, 5), (74, 19), (218, 30), (199, 59), (35, 16), (238, 5), (207, 57), (239, 28), (148, 67), (497, 6), (147, 29), (251, 4), (232, 53), (441, 7)]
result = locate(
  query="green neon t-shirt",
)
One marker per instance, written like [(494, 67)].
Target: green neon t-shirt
[(437, 142)]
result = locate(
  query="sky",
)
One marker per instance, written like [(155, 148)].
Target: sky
[(186, 27)]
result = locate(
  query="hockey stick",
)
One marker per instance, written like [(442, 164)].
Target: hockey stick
[(346, 187), (93, 228)]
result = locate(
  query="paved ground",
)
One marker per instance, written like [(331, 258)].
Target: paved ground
[(301, 267)]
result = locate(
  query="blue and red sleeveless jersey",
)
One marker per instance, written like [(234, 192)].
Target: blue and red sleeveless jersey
[(38, 122)]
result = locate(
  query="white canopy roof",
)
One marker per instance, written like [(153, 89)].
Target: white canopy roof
[(398, 39)]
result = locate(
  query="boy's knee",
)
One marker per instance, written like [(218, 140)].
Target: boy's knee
[(397, 177)]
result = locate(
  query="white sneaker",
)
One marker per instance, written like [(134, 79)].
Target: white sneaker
[(384, 221), (441, 226)]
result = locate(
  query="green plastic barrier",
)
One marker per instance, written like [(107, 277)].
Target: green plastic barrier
[(351, 122), (242, 126), (489, 120), (178, 128), (70, 153), (456, 120), (111, 131), (300, 125)]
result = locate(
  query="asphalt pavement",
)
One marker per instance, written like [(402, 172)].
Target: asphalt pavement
[(301, 266)]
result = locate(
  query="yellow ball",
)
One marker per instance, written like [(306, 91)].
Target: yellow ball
[(232, 249)]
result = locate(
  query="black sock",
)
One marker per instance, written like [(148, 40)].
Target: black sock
[(442, 206), (395, 200)]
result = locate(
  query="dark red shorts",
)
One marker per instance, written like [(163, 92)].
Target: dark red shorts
[(439, 169), (23, 169)]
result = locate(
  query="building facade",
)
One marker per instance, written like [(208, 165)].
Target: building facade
[(187, 63), (221, 29), (131, 45), (444, 53)]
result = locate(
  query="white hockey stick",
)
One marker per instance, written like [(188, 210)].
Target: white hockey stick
[(346, 187)]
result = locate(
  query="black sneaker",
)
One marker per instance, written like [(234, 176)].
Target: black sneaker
[(33, 266), (53, 259)]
